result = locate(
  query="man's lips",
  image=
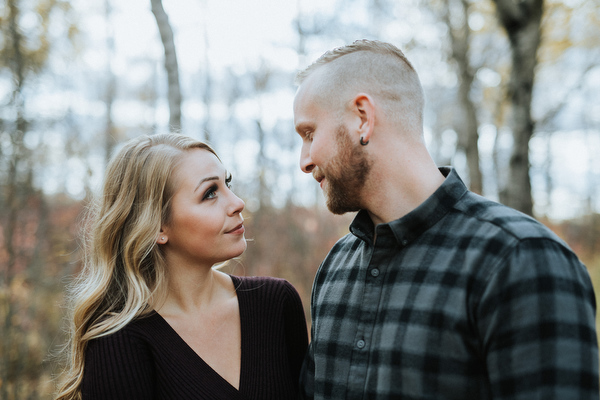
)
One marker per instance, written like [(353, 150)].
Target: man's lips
[(319, 178), (238, 230)]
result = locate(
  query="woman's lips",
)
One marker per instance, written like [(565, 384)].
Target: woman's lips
[(238, 230)]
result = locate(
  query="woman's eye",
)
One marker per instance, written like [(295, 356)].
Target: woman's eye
[(210, 193)]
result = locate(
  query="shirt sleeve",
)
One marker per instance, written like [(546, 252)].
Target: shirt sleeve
[(307, 373), (296, 332), (307, 376), (536, 318), (118, 366)]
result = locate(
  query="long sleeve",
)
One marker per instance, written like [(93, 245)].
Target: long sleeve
[(118, 366), (295, 330), (307, 375), (537, 321)]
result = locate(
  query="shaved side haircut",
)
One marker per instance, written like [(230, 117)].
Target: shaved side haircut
[(378, 69)]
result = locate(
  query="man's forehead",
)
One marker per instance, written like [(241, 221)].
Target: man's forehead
[(306, 113), (301, 100)]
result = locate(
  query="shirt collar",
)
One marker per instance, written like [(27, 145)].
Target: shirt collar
[(413, 224)]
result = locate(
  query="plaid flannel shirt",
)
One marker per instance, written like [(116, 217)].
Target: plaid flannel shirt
[(463, 298)]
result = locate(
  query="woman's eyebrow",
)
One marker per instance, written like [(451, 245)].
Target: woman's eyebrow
[(210, 178)]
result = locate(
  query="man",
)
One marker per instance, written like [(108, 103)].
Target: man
[(437, 293)]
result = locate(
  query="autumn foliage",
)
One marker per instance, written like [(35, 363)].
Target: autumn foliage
[(287, 242)]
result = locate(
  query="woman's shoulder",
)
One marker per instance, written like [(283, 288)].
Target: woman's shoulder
[(136, 332), (265, 286), (265, 283), (112, 347)]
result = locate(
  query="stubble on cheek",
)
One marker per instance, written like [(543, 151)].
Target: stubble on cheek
[(346, 175)]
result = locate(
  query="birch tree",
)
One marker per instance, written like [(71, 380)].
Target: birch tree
[(174, 88), (521, 21), (455, 14), (111, 85)]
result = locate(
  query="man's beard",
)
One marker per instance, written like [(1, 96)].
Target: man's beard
[(346, 175)]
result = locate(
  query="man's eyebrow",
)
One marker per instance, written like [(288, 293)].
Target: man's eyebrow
[(210, 178), (303, 126)]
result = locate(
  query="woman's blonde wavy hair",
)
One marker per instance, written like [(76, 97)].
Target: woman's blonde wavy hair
[(124, 272)]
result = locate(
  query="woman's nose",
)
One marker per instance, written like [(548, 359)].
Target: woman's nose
[(237, 204)]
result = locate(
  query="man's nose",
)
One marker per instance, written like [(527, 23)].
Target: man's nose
[(306, 163)]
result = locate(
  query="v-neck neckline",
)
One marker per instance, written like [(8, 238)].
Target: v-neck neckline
[(205, 366)]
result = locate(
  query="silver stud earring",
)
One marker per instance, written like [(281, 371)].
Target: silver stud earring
[(162, 238)]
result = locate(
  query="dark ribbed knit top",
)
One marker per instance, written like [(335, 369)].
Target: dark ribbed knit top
[(148, 360)]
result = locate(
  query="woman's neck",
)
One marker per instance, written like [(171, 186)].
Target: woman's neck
[(195, 291)]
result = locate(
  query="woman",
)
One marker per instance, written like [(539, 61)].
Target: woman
[(152, 318)]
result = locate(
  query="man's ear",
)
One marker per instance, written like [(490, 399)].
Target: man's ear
[(364, 108)]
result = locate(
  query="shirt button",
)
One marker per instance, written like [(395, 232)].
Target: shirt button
[(360, 344), (404, 242), (375, 272)]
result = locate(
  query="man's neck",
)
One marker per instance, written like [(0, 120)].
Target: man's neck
[(399, 189)]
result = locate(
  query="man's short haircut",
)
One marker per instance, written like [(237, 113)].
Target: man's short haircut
[(373, 46), (373, 67)]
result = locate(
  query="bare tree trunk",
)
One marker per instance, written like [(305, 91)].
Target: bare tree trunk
[(174, 90), (263, 188), (207, 94), (261, 80), (547, 168), (109, 131), (468, 134), (522, 21), (9, 357)]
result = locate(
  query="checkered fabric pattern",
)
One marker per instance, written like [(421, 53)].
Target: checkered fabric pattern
[(463, 298)]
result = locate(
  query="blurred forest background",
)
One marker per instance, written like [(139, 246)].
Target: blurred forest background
[(512, 91)]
